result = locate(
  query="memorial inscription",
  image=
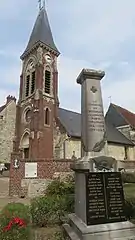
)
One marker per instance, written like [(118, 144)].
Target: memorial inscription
[(95, 117), (105, 198)]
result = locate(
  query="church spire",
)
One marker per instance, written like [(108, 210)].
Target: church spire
[(44, 4), (41, 32), (40, 4), (39, 1)]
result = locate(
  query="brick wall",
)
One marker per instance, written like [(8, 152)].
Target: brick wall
[(45, 171)]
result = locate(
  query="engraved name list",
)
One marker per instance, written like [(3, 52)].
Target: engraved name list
[(105, 199)]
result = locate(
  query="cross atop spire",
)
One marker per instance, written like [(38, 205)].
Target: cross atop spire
[(41, 4), (39, 1), (41, 33), (44, 4)]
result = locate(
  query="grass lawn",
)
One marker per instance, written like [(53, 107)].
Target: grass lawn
[(5, 201), (129, 190)]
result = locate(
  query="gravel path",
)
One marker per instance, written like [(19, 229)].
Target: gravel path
[(4, 197)]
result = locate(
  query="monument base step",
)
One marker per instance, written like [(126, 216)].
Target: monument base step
[(78, 230), (71, 234)]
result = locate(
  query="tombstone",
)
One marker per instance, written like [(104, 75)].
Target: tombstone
[(99, 199)]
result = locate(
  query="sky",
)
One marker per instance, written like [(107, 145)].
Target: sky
[(88, 33)]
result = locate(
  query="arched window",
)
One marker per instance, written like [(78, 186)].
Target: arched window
[(47, 116), (30, 81), (24, 144), (47, 81)]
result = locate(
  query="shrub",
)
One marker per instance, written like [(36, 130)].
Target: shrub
[(63, 192), (40, 210), (50, 210), (60, 188), (55, 205), (128, 177), (15, 222)]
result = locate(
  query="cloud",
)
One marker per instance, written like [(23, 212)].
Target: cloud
[(10, 10), (97, 33), (89, 33), (119, 83)]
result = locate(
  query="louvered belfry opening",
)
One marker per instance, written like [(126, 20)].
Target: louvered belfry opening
[(27, 86), (33, 82), (47, 81)]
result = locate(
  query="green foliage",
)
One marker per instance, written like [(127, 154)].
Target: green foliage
[(9, 212), (49, 210), (60, 235), (60, 188), (130, 208), (128, 177), (50, 233), (55, 205)]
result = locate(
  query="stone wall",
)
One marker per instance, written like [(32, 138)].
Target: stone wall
[(60, 136), (34, 187), (131, 153), (7, 128), (72, 145), (118, 151), (115, 150)]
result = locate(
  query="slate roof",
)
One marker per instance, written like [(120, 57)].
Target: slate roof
[(41, 33), (127, 115), (114, 117), (72, 123)]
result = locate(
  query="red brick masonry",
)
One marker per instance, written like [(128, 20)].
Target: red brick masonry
[(45, 170)]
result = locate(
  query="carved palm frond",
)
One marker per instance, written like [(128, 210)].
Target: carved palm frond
[(100, 145)]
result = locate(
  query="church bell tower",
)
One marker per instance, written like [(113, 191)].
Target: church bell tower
[(37, 105)]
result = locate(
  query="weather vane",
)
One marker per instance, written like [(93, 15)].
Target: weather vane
[(39, 1), (43, 3), (40, 4)]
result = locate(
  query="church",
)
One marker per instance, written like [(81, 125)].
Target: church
[(48, 138)]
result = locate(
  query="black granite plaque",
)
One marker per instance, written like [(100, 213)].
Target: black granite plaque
[(105, 198)]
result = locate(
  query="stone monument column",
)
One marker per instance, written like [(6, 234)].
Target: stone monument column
[(99, 199), (93, 131)]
